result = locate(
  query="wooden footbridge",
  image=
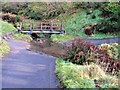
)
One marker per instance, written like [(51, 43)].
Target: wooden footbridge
[(41, 27)]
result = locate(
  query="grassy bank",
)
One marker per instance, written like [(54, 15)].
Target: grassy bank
[(61, 37), (22, 37), (4, 48), (74, 25), (6, 27), (83, 76)]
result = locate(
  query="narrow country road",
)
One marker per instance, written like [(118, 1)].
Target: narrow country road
[(97, 41), (22, 68)]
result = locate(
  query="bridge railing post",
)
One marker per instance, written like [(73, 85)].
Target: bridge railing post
[(31, 26), (41, 25), (61, 25), (21, 24), (51, 25)]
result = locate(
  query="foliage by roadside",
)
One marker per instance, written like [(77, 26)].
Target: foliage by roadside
[(4, 48), (119, 51), (74, 24), (27, 22), (111, 49), (61, 37), (83, 53), (6, 27), (23, 37), (83, 76)]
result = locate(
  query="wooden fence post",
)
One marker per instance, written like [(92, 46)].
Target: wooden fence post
[(51, 25), (41, 25), (61, 26), (21, 23), (31, 26)]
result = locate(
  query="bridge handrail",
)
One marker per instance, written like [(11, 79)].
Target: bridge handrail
[(42, 25)]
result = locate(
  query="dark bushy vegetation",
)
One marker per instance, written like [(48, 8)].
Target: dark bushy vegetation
[(111, 21), (9, 18)]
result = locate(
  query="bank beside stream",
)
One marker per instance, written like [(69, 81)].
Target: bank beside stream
[(4, 48)]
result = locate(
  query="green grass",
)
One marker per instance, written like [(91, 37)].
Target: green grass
[(6, 27), (4, 48), (83, 76), (74, 24), (61, 37), (22, 37), (26, 23), (101, 36)]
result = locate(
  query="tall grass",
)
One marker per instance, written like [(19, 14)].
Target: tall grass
[(6, 27), (4, 48), (83, 76), (23, 37), (74, 24)]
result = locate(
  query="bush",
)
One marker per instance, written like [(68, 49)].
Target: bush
[(79, 76), (118, 51), (67, 73), (89, 30), (111, 49), (9, 18), (82, 52)]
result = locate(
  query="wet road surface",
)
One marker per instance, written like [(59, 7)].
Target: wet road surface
[(22, 68)]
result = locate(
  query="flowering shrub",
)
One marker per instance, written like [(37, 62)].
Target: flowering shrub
[(83, 52)]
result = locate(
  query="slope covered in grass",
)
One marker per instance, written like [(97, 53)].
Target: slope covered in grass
[(75, 23), (83, 76), (4, 48), (6, 27)]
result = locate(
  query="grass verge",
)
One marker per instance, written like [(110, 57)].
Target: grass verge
[(61, 37), (22, 37), (6, 27), (4, 48), (78, 76)]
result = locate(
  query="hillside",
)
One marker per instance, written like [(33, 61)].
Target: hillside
[(6, 27), (75, 23), (76, 16)]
